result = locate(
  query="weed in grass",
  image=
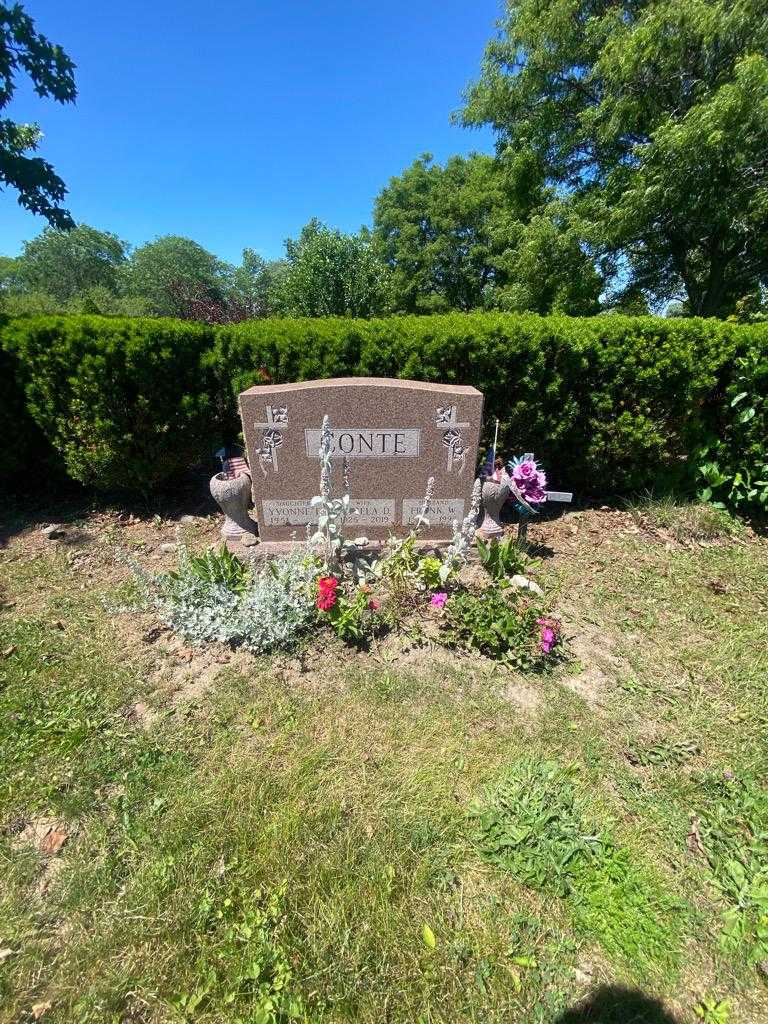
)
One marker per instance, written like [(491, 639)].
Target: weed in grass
[(713, 1011), (241, 966), (531, 825), (535, 825), (664, 752), (733, 829)]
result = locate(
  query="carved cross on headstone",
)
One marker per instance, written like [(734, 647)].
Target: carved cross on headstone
[(453, 437), (272, 436)]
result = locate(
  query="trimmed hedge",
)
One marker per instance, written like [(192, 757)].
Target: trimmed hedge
[(127, 403), (611, 404)]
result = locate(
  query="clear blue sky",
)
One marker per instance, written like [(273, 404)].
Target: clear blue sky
[(234, 122)]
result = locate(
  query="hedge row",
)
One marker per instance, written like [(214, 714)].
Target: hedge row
[(611, 404)]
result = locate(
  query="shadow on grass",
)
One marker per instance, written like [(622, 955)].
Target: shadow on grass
[(69, 503), (615, 1004)]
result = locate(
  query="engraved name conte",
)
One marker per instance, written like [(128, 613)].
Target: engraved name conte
[(362, 443)]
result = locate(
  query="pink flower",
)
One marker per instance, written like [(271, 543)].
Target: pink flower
[(550, 634), (524, 471), (438, 600), (374, 605), (530, 480)]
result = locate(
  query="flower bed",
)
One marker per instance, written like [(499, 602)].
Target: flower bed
[(332, 584)]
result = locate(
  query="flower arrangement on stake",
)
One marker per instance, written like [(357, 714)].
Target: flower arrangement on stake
[(528, 483), (529, 478)]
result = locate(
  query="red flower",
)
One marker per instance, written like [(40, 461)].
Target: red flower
[(374, 605), (326, 598)]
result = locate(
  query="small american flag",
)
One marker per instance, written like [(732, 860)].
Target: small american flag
[(234, 466)]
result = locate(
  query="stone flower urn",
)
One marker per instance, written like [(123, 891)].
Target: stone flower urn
[(493, 495), (233, 496)]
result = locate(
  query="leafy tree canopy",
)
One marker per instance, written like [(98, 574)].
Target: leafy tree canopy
[(65, 264), (329, 273), (161, 271), (257, 282), (481, 231), (652, 115), (24, 49)]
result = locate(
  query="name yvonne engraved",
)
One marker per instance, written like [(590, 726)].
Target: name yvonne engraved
[(299, 512), (360, 443)]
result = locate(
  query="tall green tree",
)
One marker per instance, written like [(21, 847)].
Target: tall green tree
[(256, 284), (23, 49), (481, 231), (66, 264), (162, 272), (329, 273), (653, 116)]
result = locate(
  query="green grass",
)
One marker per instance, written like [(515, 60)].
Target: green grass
[(380, 838)]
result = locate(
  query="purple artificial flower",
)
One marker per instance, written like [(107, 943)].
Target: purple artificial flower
[(530, 481)]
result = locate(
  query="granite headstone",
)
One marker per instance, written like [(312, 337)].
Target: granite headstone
[(396, 434)]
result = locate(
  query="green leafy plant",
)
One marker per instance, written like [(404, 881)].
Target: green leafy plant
[(501, 558), (498, 623), (210, 600), (355, 619), (669, 752), (535, 824), (221, 568), (733, 467), (241, 965), (531, 824), (733, 827), (428, 569), (713, 1011)]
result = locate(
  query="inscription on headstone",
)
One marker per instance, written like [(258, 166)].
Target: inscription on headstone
[(396, 434)]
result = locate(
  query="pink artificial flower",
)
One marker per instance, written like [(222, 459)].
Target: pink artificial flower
[(524, 471), (530, 481), (438, 600)]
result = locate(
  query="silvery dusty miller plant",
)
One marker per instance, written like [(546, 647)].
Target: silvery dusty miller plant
[(270, 612)]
